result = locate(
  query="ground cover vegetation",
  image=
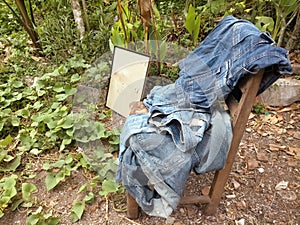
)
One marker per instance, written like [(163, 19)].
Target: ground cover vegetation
[(47, 51)]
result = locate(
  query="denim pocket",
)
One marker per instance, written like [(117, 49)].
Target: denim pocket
[(158, 153)]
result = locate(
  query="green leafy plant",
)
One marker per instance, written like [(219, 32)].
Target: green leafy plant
[(192, 23), (78, 205), (39, 217), (8, 191), (259, 109), (60, 169)]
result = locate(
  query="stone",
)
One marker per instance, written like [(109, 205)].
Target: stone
[(284, 92)]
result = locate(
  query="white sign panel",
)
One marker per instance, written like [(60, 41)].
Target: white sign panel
[(128, 74)]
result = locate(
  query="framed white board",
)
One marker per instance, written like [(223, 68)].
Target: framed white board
[(128, 74)]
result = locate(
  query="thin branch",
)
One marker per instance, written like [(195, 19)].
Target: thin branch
[(284, 27), (31, 13), (122, 20), (86, 17)]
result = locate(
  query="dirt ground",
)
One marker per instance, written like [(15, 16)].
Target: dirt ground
[(263, 187)]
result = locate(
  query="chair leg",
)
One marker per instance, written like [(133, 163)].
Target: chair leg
[(216, 191), (132, 207), (239, 124)]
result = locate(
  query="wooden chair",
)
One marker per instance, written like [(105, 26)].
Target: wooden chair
[(240, 103)]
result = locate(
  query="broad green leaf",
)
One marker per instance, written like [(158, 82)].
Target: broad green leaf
[(70, 132), (55, 105), (17, 84), (27, 189), (58, 88), (53, 220), (197, 29), (52, 180), (82, 188), (15, 121), (77, 209), (25, 113), (32, 219), (75, 77), (7, 141), (8, 186), (35, 151), (70, 91), (190, 19), (265, 23), (41, 92), (64, 143), (61, 97), (89, 197), (12, 166), (108, 186), (68, 123), (58, 164)]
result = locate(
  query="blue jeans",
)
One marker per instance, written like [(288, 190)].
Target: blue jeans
[(187, 127)]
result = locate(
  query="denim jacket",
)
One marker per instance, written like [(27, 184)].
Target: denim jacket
[(186, 127)]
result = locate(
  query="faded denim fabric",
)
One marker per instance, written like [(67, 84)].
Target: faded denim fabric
[(232, 49), (176, 117), (186, 127), (154, 170)]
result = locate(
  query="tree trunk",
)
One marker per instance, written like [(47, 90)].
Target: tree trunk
[(294, 40), (78, 17), (27, 23)]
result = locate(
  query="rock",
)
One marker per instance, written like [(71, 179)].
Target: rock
[(170, 220), (261, 170), (283, 92), (240, 222)]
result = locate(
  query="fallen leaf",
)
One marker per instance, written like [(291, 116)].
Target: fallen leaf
[(270, 119), (205, 190), (231, 196), (274, 147), (286, 109), (296, 135), (178, 223), (252, 164), (282, 185), (261, 156), (236, 184), (294, 151), (292, 163), (288, 195)]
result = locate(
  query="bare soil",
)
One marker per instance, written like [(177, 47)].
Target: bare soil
[(263, 187)]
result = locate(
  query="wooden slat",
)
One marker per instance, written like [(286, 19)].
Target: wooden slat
[(132, 207), (239, 122), (203, 199)]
